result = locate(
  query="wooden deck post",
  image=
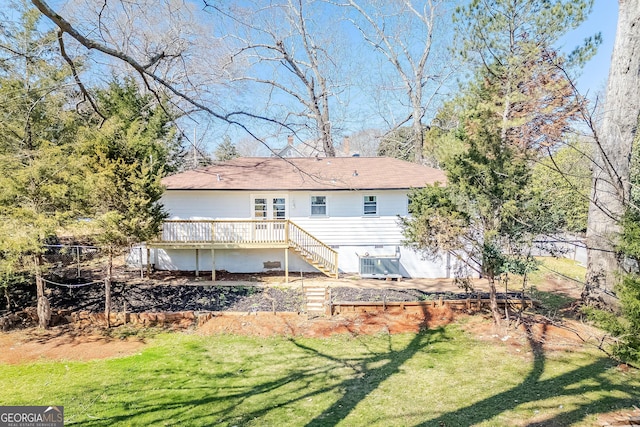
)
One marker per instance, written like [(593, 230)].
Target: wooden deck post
[(213, 265), (286, 265), (286, 231), (197, 262)]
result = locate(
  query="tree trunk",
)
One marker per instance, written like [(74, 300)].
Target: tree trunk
[(107, 301), (417, 129), (611, 174), (493, 302), (417, 134), (6, 296), (43, 308), (107, 290)]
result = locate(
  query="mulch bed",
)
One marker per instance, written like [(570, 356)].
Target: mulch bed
[(159, 298), (139, 298), (407, 295)]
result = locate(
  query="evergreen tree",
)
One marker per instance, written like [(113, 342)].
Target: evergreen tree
[(562, 179), (398, 144), (519, 105), (486, 214), (40, 188), (125, 158), (226, 150)]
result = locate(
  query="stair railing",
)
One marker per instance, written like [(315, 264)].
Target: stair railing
[(322, 256)]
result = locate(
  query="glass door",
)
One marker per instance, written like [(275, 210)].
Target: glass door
[(271, 207)]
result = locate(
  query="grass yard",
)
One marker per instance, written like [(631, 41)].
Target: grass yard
[(557, 283), (440, 377)]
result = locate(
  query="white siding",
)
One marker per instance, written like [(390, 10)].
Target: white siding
[(344, 227), (349, 203), (345, 223), (253, 261), (237, 204), (207, 204), (412, 264), (233, 261), (353, 231)]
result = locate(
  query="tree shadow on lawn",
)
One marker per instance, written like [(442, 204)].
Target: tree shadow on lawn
[(178, 401), (204, 391), (367, 380), (531, 389), (534, 389), (217, 390)]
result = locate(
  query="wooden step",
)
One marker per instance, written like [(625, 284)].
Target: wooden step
[(316, 299), (315, 305)]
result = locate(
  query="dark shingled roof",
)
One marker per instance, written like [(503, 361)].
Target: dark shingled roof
[(324, 173)]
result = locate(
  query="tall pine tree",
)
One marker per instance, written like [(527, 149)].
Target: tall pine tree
[(40, 184)]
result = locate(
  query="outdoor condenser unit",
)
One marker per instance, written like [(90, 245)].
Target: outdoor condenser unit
[(380, 266)]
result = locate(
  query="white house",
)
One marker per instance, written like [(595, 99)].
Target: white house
[(296, 214)]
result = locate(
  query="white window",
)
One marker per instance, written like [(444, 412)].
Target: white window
[(260, 208), (318, 205), (269, 207), (279, 208), (370, 205)]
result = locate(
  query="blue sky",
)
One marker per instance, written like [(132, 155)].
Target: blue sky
[(603, 19), (591, 81)]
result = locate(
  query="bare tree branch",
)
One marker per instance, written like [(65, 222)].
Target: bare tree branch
[(410, 66), (146, 73), (86, 95)]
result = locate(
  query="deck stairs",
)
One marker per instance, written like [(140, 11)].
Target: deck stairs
[(315, 261), (316, 298), (313, 250)]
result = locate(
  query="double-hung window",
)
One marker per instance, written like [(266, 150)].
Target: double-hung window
[(318, 205), (370, 207)]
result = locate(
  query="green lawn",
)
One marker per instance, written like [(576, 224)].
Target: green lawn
[(441, 377), (564, 270)]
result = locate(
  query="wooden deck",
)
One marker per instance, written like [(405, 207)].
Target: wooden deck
[(248, 234)]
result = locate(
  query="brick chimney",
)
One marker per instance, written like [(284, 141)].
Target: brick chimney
[(346, 146), (290, 140)]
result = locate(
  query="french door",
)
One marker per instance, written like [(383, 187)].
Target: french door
[(269, 207)]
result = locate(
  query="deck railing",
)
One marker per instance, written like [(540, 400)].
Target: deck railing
[(252, 232), (231, 231)]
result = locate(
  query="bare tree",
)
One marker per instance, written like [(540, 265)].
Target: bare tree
[(364, 143), (249, 147), (611, 172), (287, 50), (403, 33), (165, 50)]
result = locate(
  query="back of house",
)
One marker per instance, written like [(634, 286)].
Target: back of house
[(251, 215)]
